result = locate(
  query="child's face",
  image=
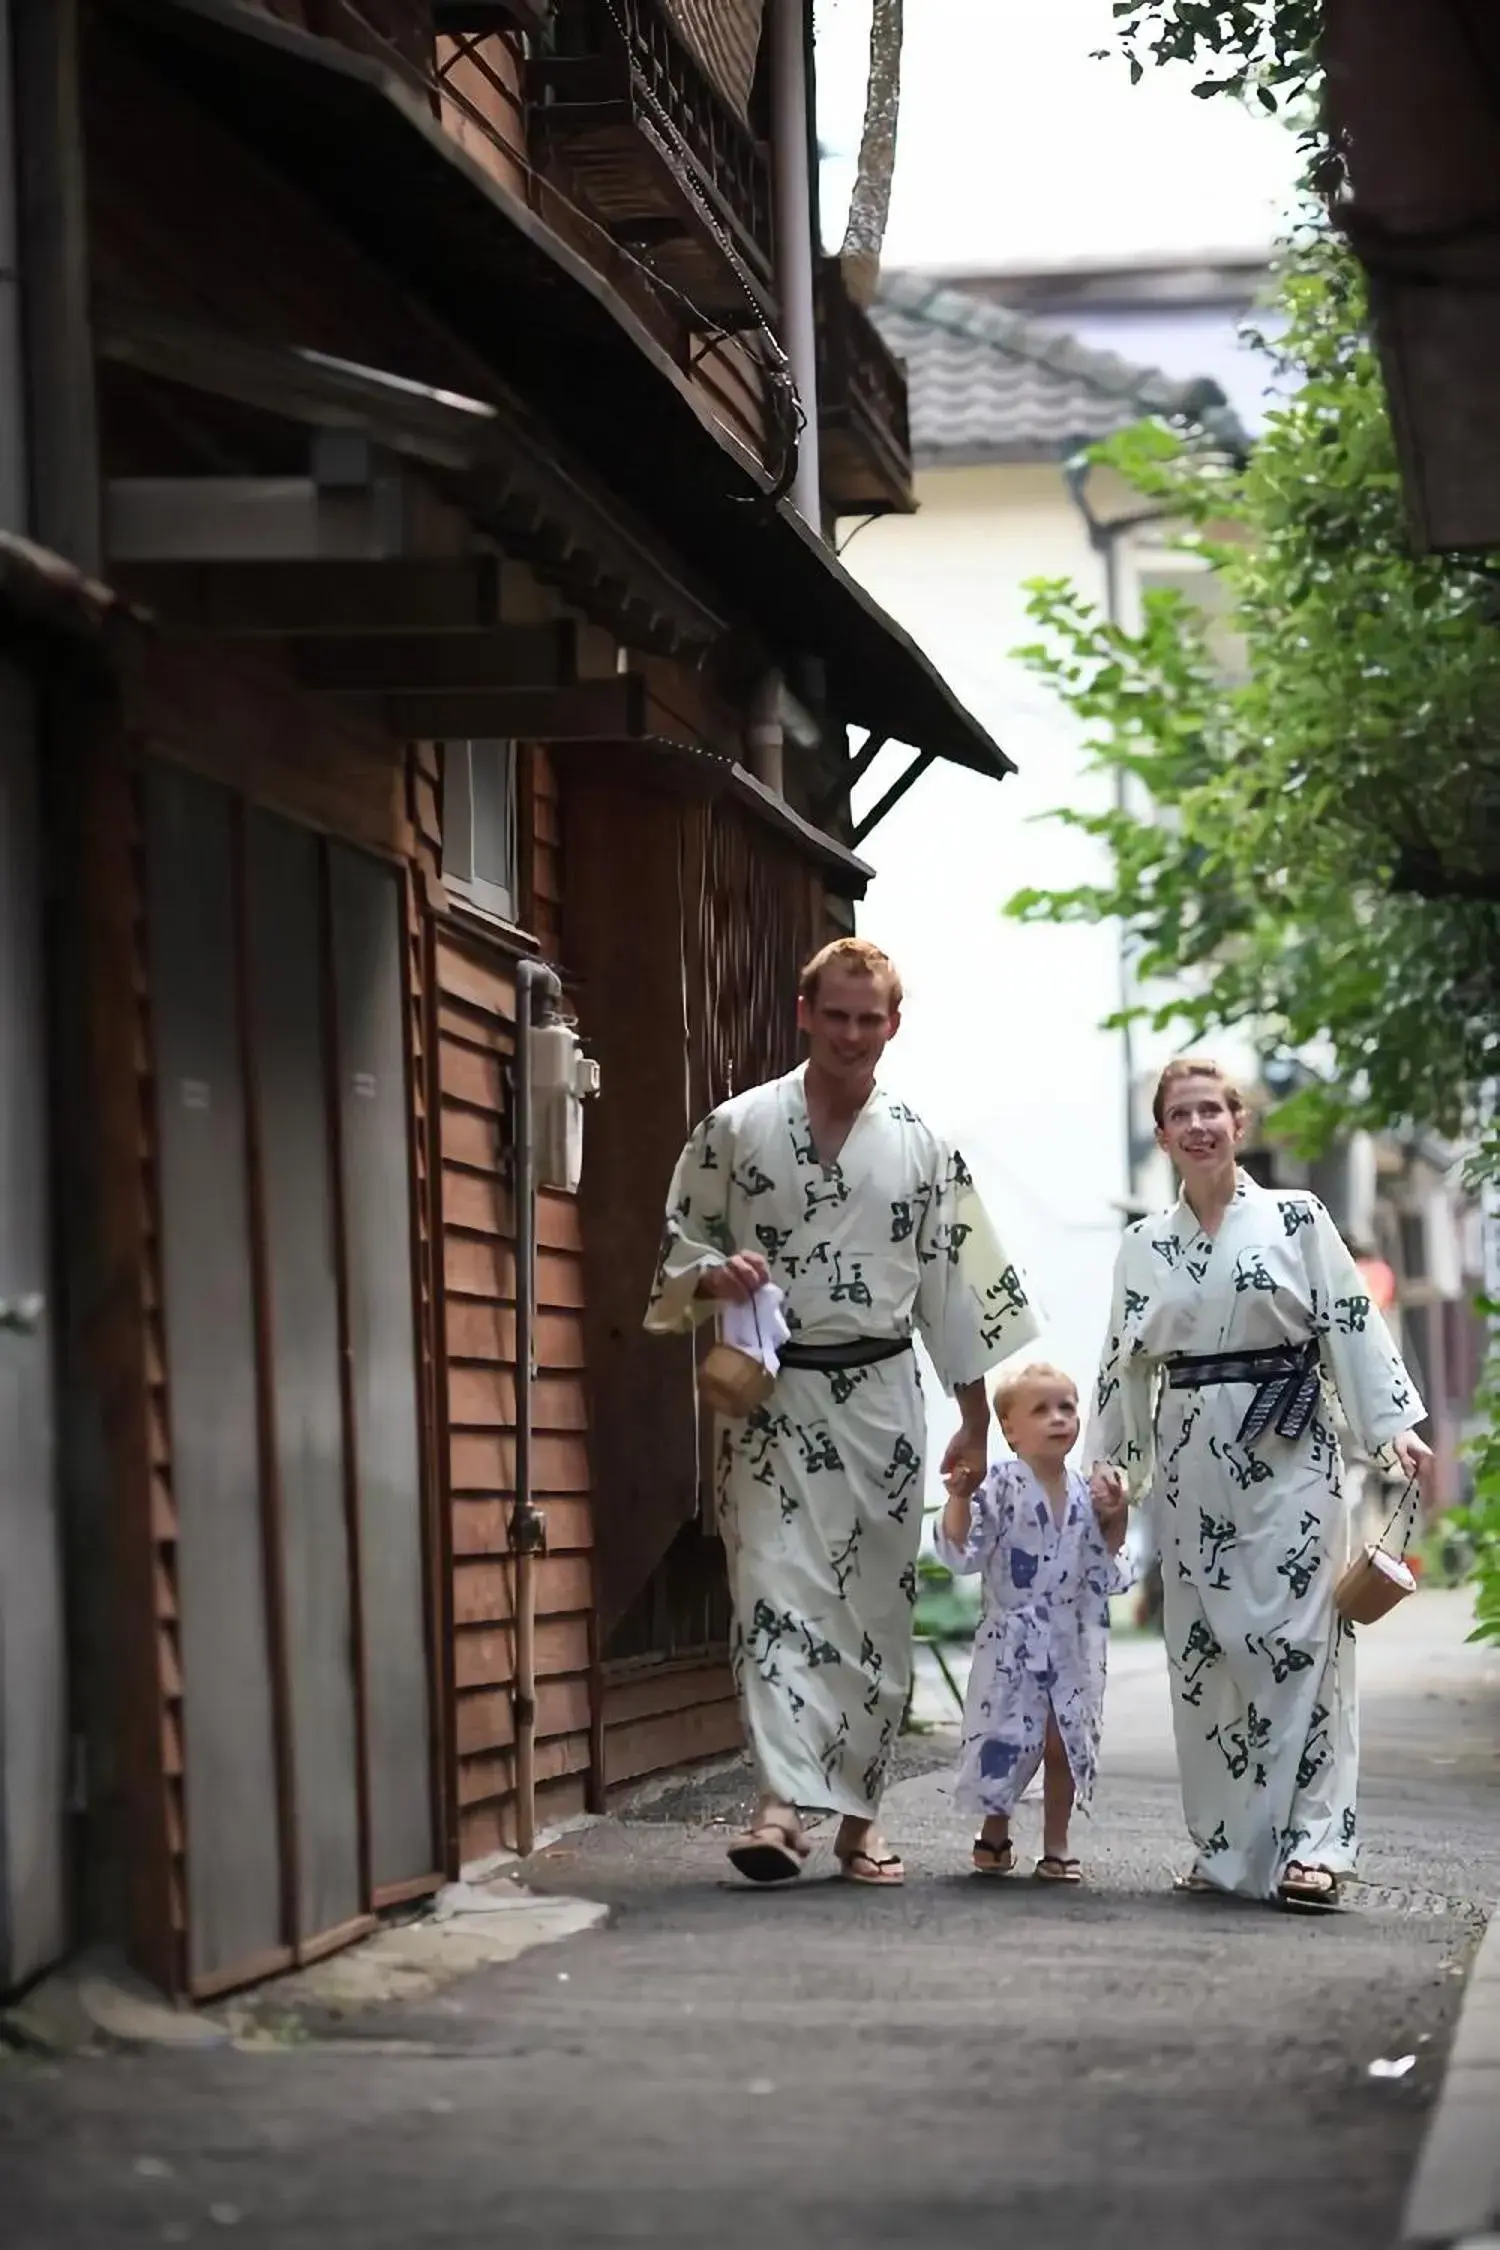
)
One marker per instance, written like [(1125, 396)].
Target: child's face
[(1041, 1422)]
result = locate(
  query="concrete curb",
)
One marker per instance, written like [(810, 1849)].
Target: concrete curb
[(1455, 2198), (97, 2004)]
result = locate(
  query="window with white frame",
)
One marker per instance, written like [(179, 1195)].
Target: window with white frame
[(480, 852)]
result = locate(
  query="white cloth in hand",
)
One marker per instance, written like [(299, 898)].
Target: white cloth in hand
[(757, 1327)]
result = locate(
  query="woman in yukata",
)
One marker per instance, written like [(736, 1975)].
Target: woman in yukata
[(1232, 1311)]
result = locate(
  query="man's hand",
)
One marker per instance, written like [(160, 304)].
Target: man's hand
[(966, 1460), (737, 1280), (1113, 1517), (1109, 1487), (1416, 1460)]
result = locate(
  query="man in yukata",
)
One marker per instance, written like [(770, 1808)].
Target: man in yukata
[(827, 1186)]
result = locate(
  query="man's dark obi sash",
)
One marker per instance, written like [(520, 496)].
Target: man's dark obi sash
[(1286, 1379), (833, 1359)]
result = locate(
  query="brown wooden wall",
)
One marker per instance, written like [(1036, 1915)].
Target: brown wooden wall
[(241, 721), (658, 1715), (147, 145), (474, 983)]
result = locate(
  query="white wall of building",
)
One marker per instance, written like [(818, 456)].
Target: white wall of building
[(1000, 1046)]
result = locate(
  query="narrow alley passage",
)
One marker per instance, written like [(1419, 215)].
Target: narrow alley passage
[(953, 2063)]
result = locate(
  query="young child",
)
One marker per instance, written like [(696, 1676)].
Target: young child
[(1048, 1546)]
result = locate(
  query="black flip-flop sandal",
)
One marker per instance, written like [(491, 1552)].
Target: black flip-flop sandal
[(999, 1859), (1308, 1890), (1050, 1868), (767, 1855), (886, 1873)]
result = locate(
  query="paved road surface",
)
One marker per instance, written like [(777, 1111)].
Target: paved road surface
[(954, 2063)]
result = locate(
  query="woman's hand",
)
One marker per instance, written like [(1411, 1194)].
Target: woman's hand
[(1416, 1461)]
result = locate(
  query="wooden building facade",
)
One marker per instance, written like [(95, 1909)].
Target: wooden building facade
[(432, 436)]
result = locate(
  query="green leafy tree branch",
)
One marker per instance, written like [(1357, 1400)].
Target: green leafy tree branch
[(1310, 848)]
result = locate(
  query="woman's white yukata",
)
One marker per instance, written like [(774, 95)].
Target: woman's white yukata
[(1043, 1644), (820, 1490), (1253, 1532)]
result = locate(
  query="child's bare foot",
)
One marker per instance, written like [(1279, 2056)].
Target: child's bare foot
[(994, 1853), (864, 1856)]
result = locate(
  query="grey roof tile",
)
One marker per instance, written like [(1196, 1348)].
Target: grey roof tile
[(987, 384)]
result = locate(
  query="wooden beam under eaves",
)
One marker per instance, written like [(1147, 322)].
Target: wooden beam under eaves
[(319, 597), (495, 656), (907, 777), (618, 710)]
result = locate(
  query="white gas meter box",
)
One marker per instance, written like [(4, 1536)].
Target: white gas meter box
[(563, 1078)]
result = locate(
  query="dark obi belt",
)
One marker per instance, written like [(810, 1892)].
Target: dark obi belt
[(834, 1359), (1286, 1379)]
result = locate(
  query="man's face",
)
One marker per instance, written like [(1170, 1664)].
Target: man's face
[(848, 1022)]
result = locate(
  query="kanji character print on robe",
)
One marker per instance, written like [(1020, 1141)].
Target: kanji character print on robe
[(1244, 1494), (820, 1490), (1044, 1640)]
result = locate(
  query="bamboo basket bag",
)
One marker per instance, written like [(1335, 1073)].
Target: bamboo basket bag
[(1378, 1579), (731, 1382)]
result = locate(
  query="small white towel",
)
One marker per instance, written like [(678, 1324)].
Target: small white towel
[(758, 1327)]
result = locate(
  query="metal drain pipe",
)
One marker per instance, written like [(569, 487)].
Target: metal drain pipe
[(538, 994)]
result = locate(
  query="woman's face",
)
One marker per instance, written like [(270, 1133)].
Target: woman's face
[(1199, 1130)]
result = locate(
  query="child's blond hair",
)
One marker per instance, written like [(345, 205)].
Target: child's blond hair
[(1010, 1386)]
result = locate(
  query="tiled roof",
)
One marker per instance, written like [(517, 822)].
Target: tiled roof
[(989, 385)]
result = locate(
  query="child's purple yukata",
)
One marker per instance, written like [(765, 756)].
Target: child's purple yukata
[(1044, 1639)]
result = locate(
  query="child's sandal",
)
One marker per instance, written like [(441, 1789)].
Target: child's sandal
[(994, 1859), (1051, 1869)]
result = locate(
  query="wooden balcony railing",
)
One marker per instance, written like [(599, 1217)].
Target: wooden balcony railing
[(646, 140), (864, 428)]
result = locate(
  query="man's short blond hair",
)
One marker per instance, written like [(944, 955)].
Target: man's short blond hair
[(860, 958), (1010, 1386)]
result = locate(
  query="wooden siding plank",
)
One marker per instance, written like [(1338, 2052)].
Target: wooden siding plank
[(670, 1687), (474, 1139), (484, 982), (485, 1462), (492, 1773), (483, 1588), (485, 1717), (466, 1074), (479, 1204), (482, 1526), (484, 1267), (484, 1655), (490, 1827), (482, 1331), (648, 1746), (481, 1397)]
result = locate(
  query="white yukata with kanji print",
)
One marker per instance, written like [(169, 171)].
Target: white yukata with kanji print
[(820, 1491), (1043, 1644), (1253, 1532)]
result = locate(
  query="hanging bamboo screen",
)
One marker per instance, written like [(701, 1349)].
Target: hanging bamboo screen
[(725, 37), (751, 917)]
